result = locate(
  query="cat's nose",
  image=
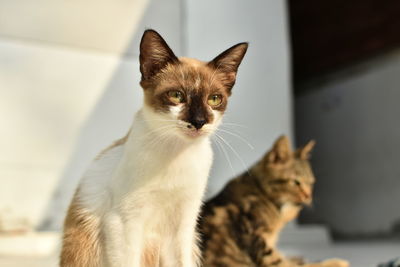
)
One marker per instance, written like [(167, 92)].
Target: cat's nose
[(198, 123), (307, 197)]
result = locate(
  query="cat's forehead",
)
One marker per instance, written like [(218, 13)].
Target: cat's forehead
[(295, 169), (190, 74), (303, 170), (192, 62)]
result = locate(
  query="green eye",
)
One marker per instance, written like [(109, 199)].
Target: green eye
[(175, 96), (214, 100)]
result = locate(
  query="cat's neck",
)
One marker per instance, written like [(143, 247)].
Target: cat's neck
[(257, 173), (254, 180), (287, 211), (149, 157), (156, 140)]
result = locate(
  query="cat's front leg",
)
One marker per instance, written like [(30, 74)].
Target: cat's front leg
[(188, 251), (256, 238), (113, 239), (123, 246), (179, 243), (264, 255)]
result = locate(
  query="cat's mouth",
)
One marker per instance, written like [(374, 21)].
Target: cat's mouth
[(194, 133), (191, 132), (306, 202)]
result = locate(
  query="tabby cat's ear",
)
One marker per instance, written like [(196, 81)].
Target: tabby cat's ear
[(228, 62), (304, 152), (281, 152), (155, 54)]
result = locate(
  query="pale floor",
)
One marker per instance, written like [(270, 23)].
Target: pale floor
[(360, 254)]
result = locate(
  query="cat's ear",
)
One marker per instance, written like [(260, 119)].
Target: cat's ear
[(155, 54), (281, 152), (305, 151), (228, 62)]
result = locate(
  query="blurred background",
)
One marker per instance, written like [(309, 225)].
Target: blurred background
[(323, 70)]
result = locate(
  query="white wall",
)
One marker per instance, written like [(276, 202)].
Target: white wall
[(82, 24), (65, 94), (355, 119), (261, 100), (112, 114), (46, 95)]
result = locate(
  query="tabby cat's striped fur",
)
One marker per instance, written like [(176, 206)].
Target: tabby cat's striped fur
[(241, 225)]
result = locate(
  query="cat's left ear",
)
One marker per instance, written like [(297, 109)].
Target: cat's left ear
[(305, 151), (228, 63), (281, 152), (155, 54)]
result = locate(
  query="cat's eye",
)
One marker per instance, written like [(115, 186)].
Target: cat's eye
[(297, 182), (214, 100), (175, 96)]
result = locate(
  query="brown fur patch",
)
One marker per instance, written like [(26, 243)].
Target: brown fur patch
[(151, 255), (81, 241)]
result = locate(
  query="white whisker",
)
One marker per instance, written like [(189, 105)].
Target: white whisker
[(238, 136), (158, 129), (221, 148), (235, 124), (157, 120), (234, 151), (161, 137)]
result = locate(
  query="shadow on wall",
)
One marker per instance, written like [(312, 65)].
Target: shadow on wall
[(113, 113)]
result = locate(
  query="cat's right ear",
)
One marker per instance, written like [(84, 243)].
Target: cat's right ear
[(155, 54), (281, 152)]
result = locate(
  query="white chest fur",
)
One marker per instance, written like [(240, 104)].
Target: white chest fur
[(148, 194)]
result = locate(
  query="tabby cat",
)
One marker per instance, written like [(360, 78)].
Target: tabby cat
[(241, 225)]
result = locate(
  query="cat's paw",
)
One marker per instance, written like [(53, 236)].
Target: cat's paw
[(335, 263)]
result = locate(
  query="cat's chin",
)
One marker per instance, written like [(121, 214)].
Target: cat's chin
[(191, 134)]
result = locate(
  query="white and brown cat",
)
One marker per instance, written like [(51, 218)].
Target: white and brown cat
[(138, 202)]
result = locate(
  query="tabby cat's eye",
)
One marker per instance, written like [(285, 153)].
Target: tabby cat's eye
[(214, 100), (175, 96)]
